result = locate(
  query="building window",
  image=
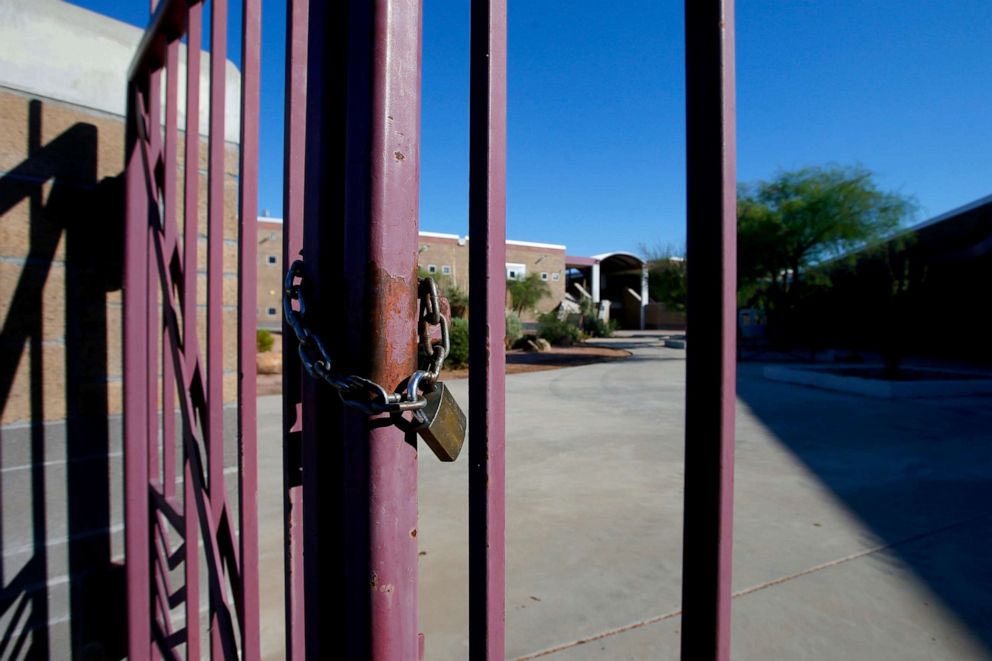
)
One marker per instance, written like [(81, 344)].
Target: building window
[(273, 259), (556, 276), (516, 271), (271, 312), (432, 268), (446, 269), (544, 275)]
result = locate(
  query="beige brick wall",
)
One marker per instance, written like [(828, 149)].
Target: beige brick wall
[(443, 251), (541, 260), (440, 252), (61, 236), (269, 275)]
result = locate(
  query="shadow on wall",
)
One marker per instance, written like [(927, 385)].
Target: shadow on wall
[(55, 484), (917, 473)]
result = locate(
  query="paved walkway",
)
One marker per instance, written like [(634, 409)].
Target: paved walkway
[(862, 526)]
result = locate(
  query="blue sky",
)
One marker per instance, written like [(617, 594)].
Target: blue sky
[(596, 146)]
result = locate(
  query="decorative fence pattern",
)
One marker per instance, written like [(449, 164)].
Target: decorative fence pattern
[(190, 528)]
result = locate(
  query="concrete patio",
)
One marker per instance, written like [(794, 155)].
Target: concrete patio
[(862, 527)]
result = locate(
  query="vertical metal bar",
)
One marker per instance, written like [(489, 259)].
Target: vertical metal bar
[(169, 221), (136, 529), (151, 280), (215, 251), (191, 183), (292, 238), (334, 493), (153, 447), (487, 282), (215, 303), (392, 240), (710, 360), (247, 320), (373, 491)]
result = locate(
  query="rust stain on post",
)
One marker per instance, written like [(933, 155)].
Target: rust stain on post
[(394, 336)]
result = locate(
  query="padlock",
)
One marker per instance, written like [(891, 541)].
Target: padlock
[(441, 423)]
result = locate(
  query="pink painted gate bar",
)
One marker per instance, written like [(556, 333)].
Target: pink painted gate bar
[(487, 282), (204, 534), (711, 207)]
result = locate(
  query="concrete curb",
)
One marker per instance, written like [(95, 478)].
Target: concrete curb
[(816, 377)]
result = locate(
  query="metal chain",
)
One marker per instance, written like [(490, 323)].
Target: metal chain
[(356, 391), (430, 315)]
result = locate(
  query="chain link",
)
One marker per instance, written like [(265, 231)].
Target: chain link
[(430, 315), (356, 391)]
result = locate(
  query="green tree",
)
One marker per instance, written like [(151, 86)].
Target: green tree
[(666, 276), (527, 292), (806, 216)]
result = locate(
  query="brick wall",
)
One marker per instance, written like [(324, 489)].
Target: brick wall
[(61, 233), (441, 251), (270, 275), (541, 260)]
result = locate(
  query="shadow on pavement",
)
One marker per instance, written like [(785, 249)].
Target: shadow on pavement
[(905, 468)]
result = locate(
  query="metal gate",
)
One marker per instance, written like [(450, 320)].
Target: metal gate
[(350, 205), (191, 527)]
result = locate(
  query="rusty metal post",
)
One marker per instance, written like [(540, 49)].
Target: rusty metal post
[(487, 282), (710, 359), (360, 233)]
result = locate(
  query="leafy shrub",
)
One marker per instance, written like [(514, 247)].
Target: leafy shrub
[(458, 355), (457, 299), (558, 331), (514, 329), (593, 326), (527, 292), (263, 340)]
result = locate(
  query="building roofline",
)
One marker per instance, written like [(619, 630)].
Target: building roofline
[(620, 253), (535, 244), (439, 235), (903, 231), (509, 242), (964, 208)]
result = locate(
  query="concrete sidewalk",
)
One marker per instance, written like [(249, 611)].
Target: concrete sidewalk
[(862, 526)]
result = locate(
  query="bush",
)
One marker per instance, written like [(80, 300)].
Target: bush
[(263, 340), (458, 335), (595, 327), (592, 325), (457, 299), (557, 331), (526, 293), (514, 329)]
